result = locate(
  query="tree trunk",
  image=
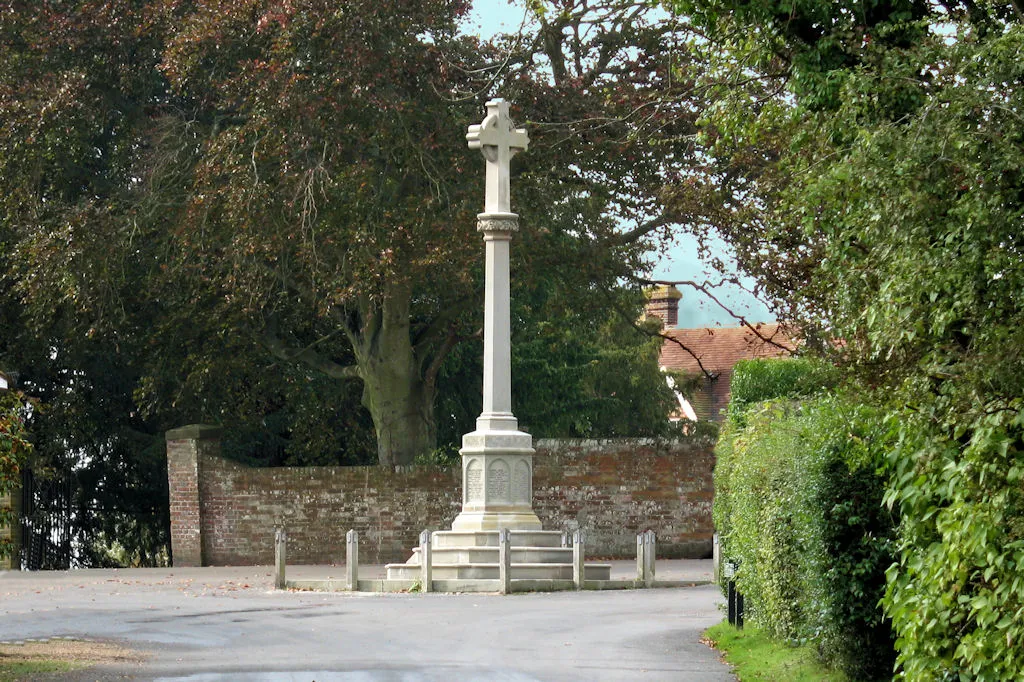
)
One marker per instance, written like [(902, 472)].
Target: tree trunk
[(395, 391), (402, 407)]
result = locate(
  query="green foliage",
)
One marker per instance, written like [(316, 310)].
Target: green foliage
[(754, 381), (883, 208), (578, 371), (957, 595), (590, 377), (798, 504), (443, 458), (15, 449), (17, 670)]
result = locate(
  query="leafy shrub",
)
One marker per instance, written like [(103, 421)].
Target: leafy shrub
[(957, 595), (857, 536), (755, 381), (798, 503), (753, 513)]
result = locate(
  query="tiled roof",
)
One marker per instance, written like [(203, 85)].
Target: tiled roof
[(719, 349)]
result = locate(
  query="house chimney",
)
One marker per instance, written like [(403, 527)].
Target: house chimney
[(663, 302)]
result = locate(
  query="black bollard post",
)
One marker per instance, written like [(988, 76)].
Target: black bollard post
[(731, 597), (739, 610)]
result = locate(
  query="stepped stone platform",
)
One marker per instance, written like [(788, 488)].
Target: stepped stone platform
[(474, 555)]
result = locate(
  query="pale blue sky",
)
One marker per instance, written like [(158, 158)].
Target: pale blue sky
[(681, 262)]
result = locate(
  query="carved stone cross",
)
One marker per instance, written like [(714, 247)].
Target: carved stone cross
[(499, 140), (497, 458)]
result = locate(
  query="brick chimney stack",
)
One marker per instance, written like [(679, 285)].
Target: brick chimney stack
[(663, 302)]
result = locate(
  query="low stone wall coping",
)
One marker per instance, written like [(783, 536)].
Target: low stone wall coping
[(195, 432)]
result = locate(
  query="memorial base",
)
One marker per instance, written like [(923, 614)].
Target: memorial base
[(497, 481)]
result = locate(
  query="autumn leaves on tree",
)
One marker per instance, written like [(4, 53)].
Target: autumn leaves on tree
[(288, 181)]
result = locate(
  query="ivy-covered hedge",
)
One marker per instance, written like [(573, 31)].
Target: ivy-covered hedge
[(799, 492), (956, 596)]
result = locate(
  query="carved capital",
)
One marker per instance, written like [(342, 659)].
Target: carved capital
[(497, 222)]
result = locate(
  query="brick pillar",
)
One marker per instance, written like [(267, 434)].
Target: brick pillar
[(184, 479)]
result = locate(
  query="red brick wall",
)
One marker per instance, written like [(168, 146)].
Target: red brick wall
[(616, 488), (613, 489)]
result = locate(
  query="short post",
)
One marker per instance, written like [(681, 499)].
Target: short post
[(730, 598), (352, 560), (579, 569), (641, 561), (739, 610), (729, 573), (716, 558), (565, 538), (650, 554), (280, 550), (426, 562), (505, 560)]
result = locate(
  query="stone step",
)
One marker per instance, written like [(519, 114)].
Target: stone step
[(489, 538), (489, 571), (489, 555)]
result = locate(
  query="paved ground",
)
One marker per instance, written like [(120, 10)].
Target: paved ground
[(218, 624)]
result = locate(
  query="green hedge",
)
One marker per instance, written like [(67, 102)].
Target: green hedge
[(957, 595), (755, 381), (799, 490)]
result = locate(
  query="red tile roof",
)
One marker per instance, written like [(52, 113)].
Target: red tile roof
[(719, 349)]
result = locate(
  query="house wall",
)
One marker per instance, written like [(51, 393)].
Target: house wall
[(225, 513)]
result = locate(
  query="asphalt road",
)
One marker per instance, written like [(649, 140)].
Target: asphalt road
[(213, 625)]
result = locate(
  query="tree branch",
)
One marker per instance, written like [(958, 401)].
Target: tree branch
[(639, 231), (706, 290), (711, 376), (432, 370), (307, 356)]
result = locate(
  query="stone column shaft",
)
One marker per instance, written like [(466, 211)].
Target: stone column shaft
[(497, 412)]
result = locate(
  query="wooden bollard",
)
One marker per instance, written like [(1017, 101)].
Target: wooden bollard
[(641, 562), (716, 558), (579, 568), (650, 554), (280, 551), (352, 560), (426, 562), (504, 560)]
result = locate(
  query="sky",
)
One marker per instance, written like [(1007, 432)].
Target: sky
[(681, 262)]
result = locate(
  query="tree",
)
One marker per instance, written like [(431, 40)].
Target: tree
[(294, 173), (888, 212)]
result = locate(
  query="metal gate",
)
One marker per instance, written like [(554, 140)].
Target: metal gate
[(46, 520)]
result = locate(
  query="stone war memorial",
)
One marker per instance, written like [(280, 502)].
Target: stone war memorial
[(497, 535), (610, 494)]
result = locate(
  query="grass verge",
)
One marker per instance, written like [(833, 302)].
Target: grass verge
[(37, 659), (755, 656), (12, 671)]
